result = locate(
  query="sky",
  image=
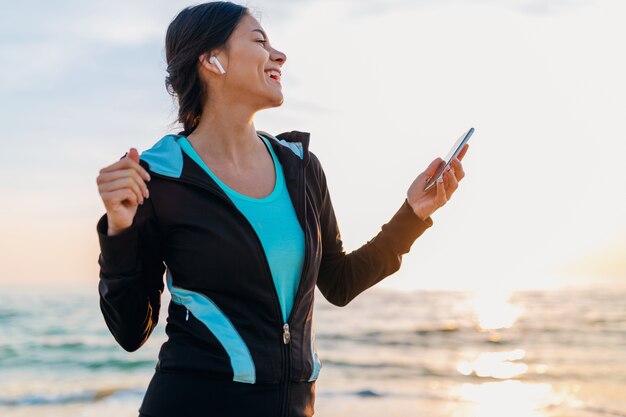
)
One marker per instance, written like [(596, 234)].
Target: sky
[(383, 87)]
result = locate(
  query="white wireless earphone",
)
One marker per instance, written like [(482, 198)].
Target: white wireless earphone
[(214, 60)]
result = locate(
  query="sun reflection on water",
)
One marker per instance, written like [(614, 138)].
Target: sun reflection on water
[(506, 398), (495, 365), (495, 315), (493, 310)]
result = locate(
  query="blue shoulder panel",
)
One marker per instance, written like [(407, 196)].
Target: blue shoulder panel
[(296, 147), (165, 157)]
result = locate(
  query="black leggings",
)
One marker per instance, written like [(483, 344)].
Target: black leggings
[(171, 394)]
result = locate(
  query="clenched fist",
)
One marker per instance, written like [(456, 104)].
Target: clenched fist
[(122, 187)]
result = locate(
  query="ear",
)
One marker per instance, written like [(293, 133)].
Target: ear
[(203, 59)]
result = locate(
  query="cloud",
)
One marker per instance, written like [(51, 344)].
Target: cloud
[(534, 7), (43, 43), (553, 7)]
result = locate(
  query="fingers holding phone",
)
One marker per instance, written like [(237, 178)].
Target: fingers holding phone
[(434, 187), (463, 151), (455, 173), (450, 182), (457, 151)]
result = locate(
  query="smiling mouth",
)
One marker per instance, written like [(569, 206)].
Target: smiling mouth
[(274, 77)]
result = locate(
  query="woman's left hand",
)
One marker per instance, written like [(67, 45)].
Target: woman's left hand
[(424, 204)]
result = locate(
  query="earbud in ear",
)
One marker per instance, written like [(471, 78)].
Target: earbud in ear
[(214, 60)]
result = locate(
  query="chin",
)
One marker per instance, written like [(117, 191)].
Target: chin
[(276, 101), (271, 100)]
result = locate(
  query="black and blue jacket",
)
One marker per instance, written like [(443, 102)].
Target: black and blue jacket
[(224, 319)]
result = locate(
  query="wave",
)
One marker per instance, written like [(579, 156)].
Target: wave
[(391, 367), (6, 314), (604, 411), (75, 364), (70, 397), (120, 364), (409, 337), (371, 393)]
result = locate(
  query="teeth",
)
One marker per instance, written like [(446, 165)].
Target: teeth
[(273, 74)]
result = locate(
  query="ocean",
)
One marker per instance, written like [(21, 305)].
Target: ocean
[(389, 352)]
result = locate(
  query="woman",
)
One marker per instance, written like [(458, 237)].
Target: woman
[(243, 226)]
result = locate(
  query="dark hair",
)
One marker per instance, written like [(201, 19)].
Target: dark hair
[(194, 31)]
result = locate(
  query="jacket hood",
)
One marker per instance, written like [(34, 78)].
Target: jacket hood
[(166, 157)]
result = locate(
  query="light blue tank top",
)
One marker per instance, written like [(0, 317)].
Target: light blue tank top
[(274, 220)]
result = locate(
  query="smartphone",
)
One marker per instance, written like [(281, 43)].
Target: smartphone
[(454, 152)]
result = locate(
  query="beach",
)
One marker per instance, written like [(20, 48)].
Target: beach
[(389, 352)]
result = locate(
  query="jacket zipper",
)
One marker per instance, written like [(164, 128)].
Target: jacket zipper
[(301, 207)]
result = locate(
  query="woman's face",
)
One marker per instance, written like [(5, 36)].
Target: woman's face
[(247, 59)]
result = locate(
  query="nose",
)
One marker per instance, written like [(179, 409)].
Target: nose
[(278, 56)]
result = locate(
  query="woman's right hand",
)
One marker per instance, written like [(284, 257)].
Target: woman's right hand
[(122, 188)]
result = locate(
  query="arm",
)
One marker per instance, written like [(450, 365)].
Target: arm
[(343, 276), (131, 278)]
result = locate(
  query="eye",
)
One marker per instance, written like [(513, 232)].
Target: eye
[(263, 41)]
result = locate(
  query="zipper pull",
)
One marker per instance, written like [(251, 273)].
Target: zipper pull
[(286, 334), (187, 315)]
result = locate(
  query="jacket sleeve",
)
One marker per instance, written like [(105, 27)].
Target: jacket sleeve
[(131, 278), (344, 276)]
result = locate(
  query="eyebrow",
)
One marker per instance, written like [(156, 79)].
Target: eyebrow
[(260, 31)]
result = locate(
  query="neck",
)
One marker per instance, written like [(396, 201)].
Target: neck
[(226, 133)]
